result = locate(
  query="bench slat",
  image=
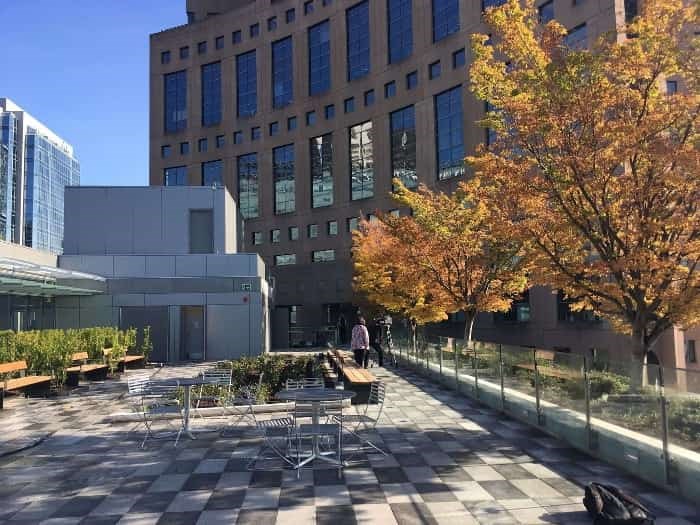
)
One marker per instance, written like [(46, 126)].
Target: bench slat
[(15, 366), (21, 382)]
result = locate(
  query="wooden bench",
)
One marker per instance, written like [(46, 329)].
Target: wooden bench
[(357, 379), (546, 368), (128, 361), (26, 384), (90, 371)]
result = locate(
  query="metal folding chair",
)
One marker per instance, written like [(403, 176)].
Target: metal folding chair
[(216, 392), (365, 420), (159, 403), (328, 435), (276, 434)]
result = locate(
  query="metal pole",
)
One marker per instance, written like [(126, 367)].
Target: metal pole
[(500, 365), (456, 350), (537, 387), (664, 428), (476, 373), (440, 362), (587, 393)]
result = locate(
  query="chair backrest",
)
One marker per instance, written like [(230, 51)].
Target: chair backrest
[(308, 382), (160, 389), (218, 376), (79, 356), (377, 393), (137, 383)]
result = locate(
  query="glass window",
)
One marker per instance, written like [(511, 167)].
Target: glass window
[(274, 128), (283, 177), (353, 223), (631, 10), (485, 4), (184, 148), (390, 89), (357, 23), (185, 52), (175, 101), (395, 213), (321, 154), (411, 80), (257, 238), (202, 145), (332, 228), (165, 57), (449, 134), (369, 97), (246, 84), (323, 256), (290, 15), (308, 7), (238, 137), (248, 200), (329, 111), (176, 176), (254, 30), (459, 58), (272, 23), (291, 123), (310, 118), (220, 141), (275, 236), (165, 151), (349, 105), (282, 73), (434, 70), (490, 133), (361, 161), (403, 146), (201, 231), (202, 48), (319, 58), (400, 21), (255, 133), (671, 87), (236, 37), (690, 355), (211, 94), (312, 231), (219, 42), (546, 12), (294, 233), (285, 259), (577, 38), (445, 18), (326, 2), (213, 173)]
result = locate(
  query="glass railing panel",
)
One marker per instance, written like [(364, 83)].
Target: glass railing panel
[(487, 359), (518, 371), (682, 390), (561, 379)]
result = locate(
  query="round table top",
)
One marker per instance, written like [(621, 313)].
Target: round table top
[(184, 381), (314, 394)]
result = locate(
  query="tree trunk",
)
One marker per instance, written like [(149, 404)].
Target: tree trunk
[(469, 327), (639, 373), (413, 325)]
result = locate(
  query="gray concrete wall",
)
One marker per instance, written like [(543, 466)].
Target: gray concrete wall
[(143, 220)]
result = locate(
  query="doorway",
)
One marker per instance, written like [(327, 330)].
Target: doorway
[(192, 333)]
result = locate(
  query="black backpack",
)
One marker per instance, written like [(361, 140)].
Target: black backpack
[(608, 505)]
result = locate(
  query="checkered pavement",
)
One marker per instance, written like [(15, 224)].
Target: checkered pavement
[(451, 461)]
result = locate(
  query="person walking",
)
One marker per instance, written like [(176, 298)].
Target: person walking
[(359, 342), (376, 339)]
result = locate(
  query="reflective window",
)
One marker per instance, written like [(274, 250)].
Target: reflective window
[(220, 141), (485, 4), (310, 118), (449, 134), (434, 70), (291, 123), (631, 10), (319, 58), (283, 177), (290, 15), (361, 161), (202, 48), (369, 97), (329, 111), (308, 7), (459, 58), (357, 23), (411, 80), (211, 94), (238, 137), (285, 259), (185, 52), (165, 57), (323, 256), (257, 238), (202, 145), (294, 233), (255, 133), (165, 151), (577, 38), (254, 30), (282, 73), (275, 236), (213, 173), (219, 42), (546, 12), (176, 176), (349, 105), (671, 87), (321, 154), (184, 148), (312, 231), (272, 23), (353, 223), (445, 18), (400, 17), (274, 128), (236, 37), (403, 146), (332, 228), (175, 101), (248, 185), (246, 84), (490, 133), (390, 89)]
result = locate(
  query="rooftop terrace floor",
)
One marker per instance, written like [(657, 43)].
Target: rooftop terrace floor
[(451, 461)]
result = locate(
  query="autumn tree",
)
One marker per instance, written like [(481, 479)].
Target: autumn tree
[(597, 159), (384, 275), (452, 248)]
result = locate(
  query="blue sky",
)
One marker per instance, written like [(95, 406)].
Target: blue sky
[(81, 67)]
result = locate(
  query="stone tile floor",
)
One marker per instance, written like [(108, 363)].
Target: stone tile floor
[(451, 461)]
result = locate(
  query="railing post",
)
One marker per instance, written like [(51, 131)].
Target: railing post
[(500, 371), (664, 428), (476, 373), (456, 353), (441, 362), (587, 394), (427, 358), (537, 387)]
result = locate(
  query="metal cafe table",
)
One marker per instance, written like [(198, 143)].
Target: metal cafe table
[(186, 383), (316, 396)]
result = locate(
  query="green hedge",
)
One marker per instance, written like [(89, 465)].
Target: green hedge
[(49, 352)]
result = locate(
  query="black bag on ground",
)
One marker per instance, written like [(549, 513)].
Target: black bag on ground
[(608, 505)]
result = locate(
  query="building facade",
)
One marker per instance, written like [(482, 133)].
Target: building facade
[(39, 166), (306, 110)]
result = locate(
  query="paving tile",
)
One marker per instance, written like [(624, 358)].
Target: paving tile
[(412, 514), (168, 483), (297, 515), (257, 517), (226, 499), (179, 518), (152, 502), (189, 501), (262, 498), (335, 515), (218, 517), (331, 495), (503, 489)]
